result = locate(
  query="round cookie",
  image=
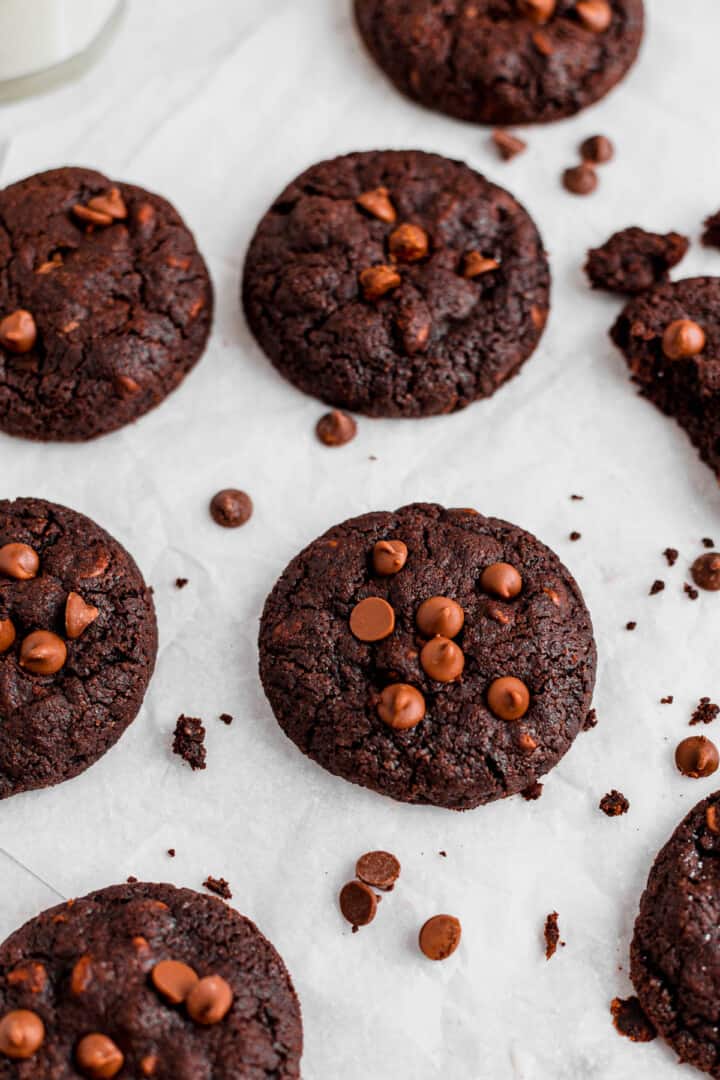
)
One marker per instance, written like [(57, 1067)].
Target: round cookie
[(686, 383), (675, 952), (98, 966), (396, 283), (406, 697), (503, 61), (78, 641), (105, 304)]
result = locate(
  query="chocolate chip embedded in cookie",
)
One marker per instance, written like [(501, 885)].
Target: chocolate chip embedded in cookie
[(105, 304), (503, 61), (396, 283), (670, 338), (78, 640), (171, 984), (458, 678)]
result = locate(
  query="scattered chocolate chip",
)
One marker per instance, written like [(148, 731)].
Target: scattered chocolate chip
[(18, 332), (682, 339), (656, 587), (440, 615), (711, 233), (502, 580), (7, 635), (575, 536), (440, 936), (705, 712), (475, 265), (705, 571), (42, 653), (358, 904), (580, 179), (697, 757), (78, 615), (590, 720), (595, 15), (552, 935), (671, 554), (508, 145), (98, 1057), (389, 557), (532, 792), (226, 718), (614, 804), (22, 1033), (401, 706), (630, 625), (667, 700), (708, 542), (380, 869), (231, 508), (539, 11), (219, 886), (372, 619), (630, 1020), (597, 149), (336, 428), (691, 593), (508, 698), (19, 561), (181, 582), (377, 202), (173, 980), (408, 243), (376, 281), (210, 1000), (442, 659), (633, 260), (189, 741)]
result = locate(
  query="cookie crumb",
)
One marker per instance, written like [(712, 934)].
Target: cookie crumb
[(226, 718), (711, 231), (219, 886), (590, 720), (633, 260), (630, 1020), (575, 536), (705, 712), (630, 625), (577, 498), (171, 852), (656, 587), (690, 592), (532, 792), (181, 582), (552, 935), (443, 853), (708, 542), (132, 880), (189, 741), (614, 804), (671, 554), (668, 700)]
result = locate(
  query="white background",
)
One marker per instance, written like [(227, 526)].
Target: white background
[(217, 104)]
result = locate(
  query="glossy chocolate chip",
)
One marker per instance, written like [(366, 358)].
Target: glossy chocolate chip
[(42, 653), (389, 557), (502, 580), (508, 698), (7, 635), (22, 1033), (78, 615), (401, 706), (19, 561), (682, 339), (98, 1057), (706, 571), (173, 980), (697, 757), (210, 1000), (440, 615), (442, 659)]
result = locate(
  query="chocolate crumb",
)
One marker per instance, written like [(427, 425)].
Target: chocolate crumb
[(577, 498), (630, 1020), (590, 720), (705, 712), (131, 880), (532, 792), (671, 554), (219, 886), (614, 804), (633, 260), (690, 592), (171, 852), (226, 718), (575, 536), (656, 587), (631, 625), (552, 935), (708, 542), (711, 233), (667, 700), (180, 582), (189, 741), (443, 853)]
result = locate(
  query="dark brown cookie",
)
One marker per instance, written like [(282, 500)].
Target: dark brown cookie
[(503, 61), (105, 304), (675, 953), (471, 715), (396, 283), (670, 337), (161, 982), (79, 644), (633, 260)]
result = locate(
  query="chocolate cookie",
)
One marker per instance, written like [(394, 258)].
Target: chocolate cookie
[(105, 304), (503, 61), (436, 656), (396, 283), (633, 260), (675, 953), (78, 641), (670, 337), (142, 981)]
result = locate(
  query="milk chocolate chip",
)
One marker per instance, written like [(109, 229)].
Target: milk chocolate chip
[(42, 653), (78, 615), (18, 331), (389, 557), (372, 619), (502, 580), (440, 615), (210, 1000), (401, 706), (682, 339), (173, 980), (440, 937), (19, 561), (7, 635), (21, 1034), (442, 659), (508, 698), (98, 1057)]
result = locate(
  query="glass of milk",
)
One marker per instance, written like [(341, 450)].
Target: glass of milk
[(45, 42)]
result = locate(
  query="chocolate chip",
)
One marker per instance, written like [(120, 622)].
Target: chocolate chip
[(372, 619), (32, 977), (181, 582), (442, 659), (226, 718), (379, 869), (210, 1000), (173, 980), (401, 706), (667, 700), (440, 615), (377, 202), (231, 508), (7, 635), (597, 150), (712, 818), (336, 428), (502, 580), (539, 11), (475, 264), (376, 281), (630, 1020), (358, 903), (189, 741), (22, 1033), (580, 179), (440, 936), (708, 542), (705, 712), (595, 15), (171, 852), (149, 1064), (82, 975), (552, 935), (42, 653), (508, 145), (90, 216), (527, 744), (18, 331), (682, 339), (98, 1057), (543, 43), (705, 571), (408, 243), (574, 536), (508, 698), (614, 804), (657, 587), (78, 615), (697, 757), (631, 625), (110, 203), (219, 886), (19, 561), (389, 557)]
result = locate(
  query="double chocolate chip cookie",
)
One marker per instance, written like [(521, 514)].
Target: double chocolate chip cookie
[(146, 981), (396, 283), (675, 953), (670, 337), (78, 640), (503, 61), (436, 656), (105, 304)]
